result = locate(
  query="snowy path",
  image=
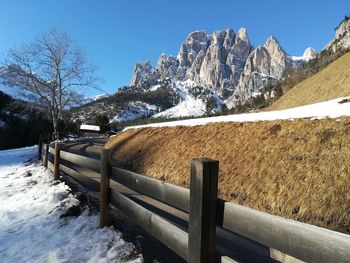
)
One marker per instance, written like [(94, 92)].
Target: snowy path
[(31, 229), (331, 109)]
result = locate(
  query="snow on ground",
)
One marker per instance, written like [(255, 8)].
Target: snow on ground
[(88, 99), (331, 109), (134, 110), (188, 107), (31, 229)]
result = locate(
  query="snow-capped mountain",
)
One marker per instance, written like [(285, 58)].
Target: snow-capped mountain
[(224, 62), (210, 72), (309, 53)]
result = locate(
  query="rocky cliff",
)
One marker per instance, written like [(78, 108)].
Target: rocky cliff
[(341, 40), (224, 62), (264, 65)]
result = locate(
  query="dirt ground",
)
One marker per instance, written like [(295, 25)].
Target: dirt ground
[(298, 169)]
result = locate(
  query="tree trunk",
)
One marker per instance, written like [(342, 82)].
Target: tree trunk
[(55, 128)]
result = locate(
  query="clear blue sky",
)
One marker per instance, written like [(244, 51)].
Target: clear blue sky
[(117, 34)]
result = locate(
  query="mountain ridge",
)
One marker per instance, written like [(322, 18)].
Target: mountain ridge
[(212, 73)]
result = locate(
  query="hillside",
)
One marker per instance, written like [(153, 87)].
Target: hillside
[(21, 123), (331, 82), (296, 169)]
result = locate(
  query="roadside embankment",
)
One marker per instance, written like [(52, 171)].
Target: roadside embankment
[(298, 169)]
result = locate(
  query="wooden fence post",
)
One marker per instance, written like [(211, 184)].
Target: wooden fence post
[(40, 147), (202, 215), (104, 187), (56, 162), (46, 156)]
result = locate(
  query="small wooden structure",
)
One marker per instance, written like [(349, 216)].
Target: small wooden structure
[(89, 130)]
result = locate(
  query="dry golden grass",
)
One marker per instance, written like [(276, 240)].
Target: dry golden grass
[(330, 83), (297, 169)]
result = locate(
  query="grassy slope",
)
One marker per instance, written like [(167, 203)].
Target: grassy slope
[(297, 169), (330, 83)]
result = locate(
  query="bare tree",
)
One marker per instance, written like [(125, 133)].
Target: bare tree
[(53, 70)]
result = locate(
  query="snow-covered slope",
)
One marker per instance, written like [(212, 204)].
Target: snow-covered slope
[(96, 97), (333, 109), (189, 106), (134, 110), (195, 100), (31, 227)]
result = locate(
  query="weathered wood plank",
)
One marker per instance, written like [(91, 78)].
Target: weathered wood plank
[(84, 180), (50, 165), (173, 237), (202, 220), (104, 188), (51, 148), (302, 241), (46, 154), (168, 193), (80, 160), (56, 162), (225, 259), (40, 148)]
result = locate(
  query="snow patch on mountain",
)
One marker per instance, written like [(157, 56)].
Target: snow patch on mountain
[(89, 99), (309, 53), (186, 108), (194, 101), (135, 110), (100, 96)]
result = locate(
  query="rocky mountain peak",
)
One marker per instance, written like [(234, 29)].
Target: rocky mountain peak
[(272, 44), (144, 75), (140, 70), (224, 62), (309, 53), (278, 57), (167, 66), (195, 42), (200, 36), (341, 40), (218, 38), (242, 35), (230, 39), (343, 28)]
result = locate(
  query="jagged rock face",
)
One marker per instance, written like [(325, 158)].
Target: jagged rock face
[(277, 57), (238, 55), (342, 37), (265, 64), (167, 67), (213, 70), (230, 39), (144, 75), (194, 44), (224, 62), (309, 53)]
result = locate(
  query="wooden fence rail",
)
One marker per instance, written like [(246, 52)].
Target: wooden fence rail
[(170, 194), (287, 240)]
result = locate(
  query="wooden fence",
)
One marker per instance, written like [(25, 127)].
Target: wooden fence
[(211, 230)]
